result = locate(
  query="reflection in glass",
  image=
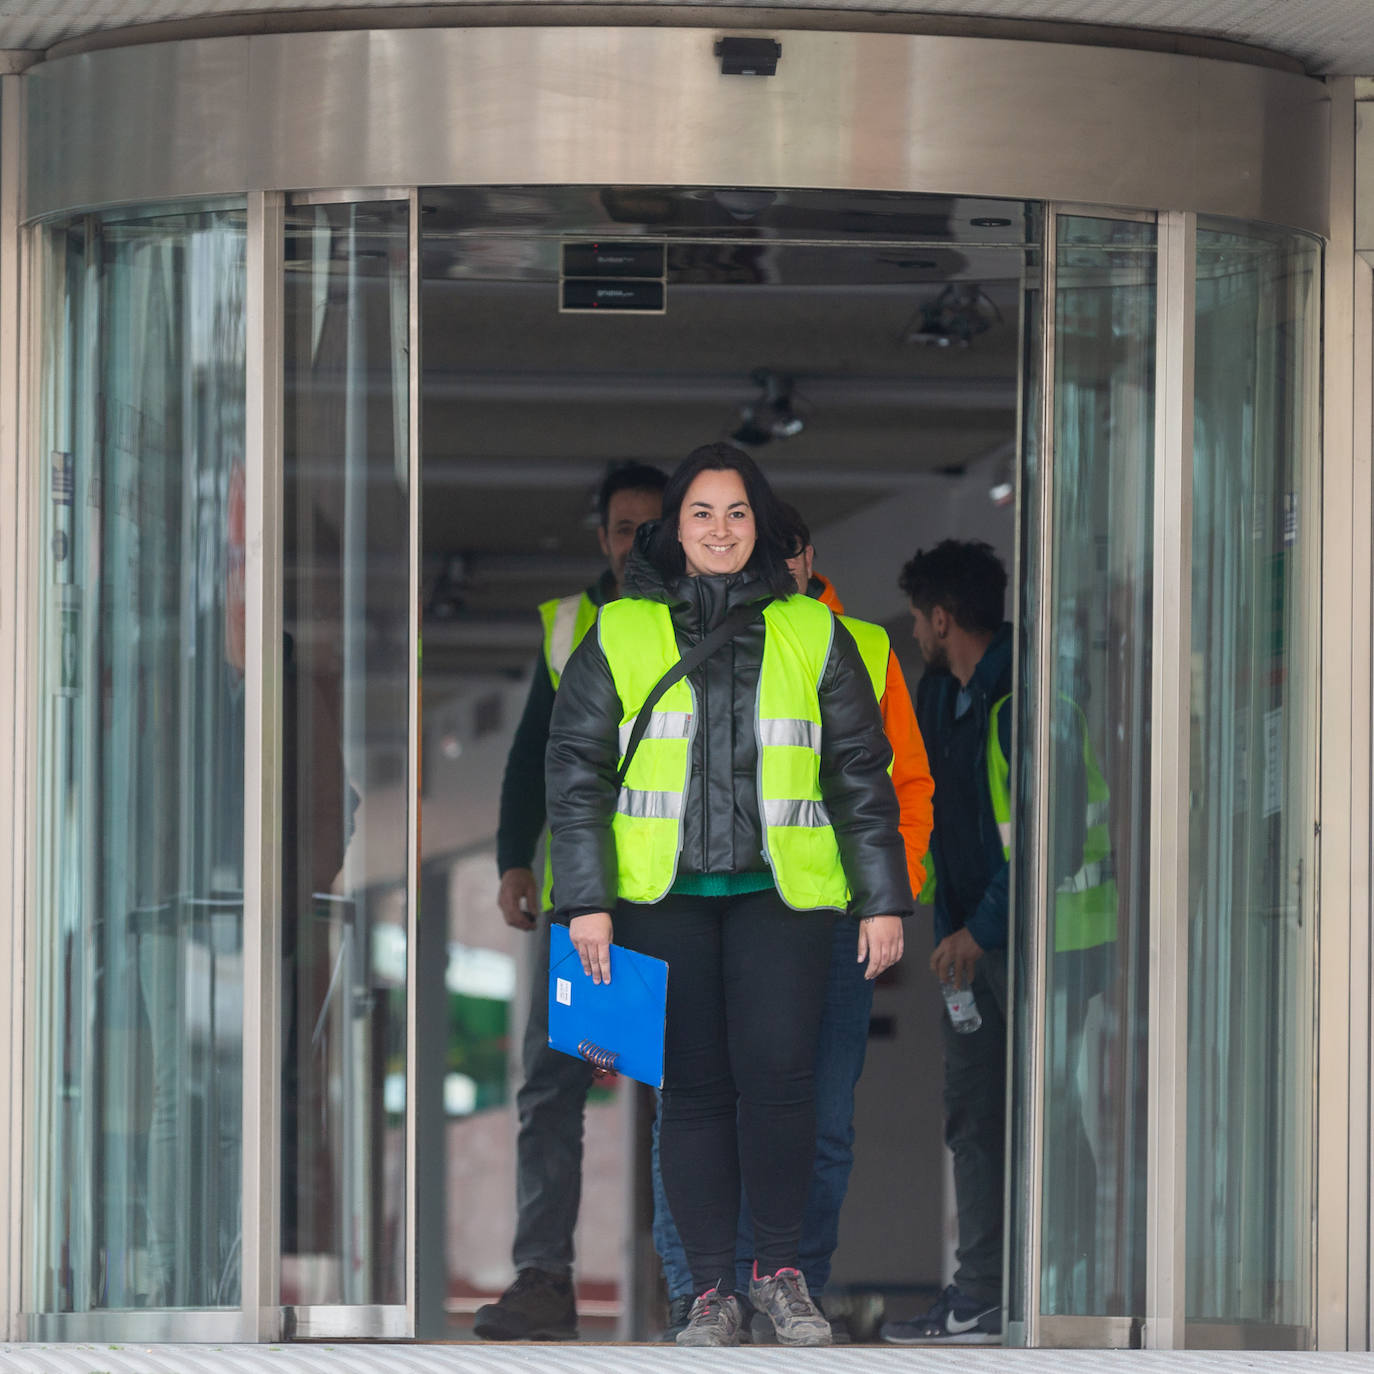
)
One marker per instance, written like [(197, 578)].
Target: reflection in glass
[(345, 757), (1250, 949), (1098, 621), (138, 925)]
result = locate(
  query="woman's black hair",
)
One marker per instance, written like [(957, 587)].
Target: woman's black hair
[(771, 532)]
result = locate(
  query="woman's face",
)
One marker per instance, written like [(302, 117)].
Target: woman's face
[(716, 523)]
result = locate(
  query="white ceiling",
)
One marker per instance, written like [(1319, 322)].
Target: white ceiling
[(1329, 36)]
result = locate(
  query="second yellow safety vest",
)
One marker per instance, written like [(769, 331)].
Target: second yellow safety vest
[(566, 621), (1085, 903), (874, 648)]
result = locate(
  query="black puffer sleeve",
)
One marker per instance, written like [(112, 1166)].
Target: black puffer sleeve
[(580, 783), (857, 789)]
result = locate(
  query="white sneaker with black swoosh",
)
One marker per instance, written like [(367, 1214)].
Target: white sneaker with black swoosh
[(952, 1320)]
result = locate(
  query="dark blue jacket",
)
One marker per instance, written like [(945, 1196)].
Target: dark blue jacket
[(971, 872)]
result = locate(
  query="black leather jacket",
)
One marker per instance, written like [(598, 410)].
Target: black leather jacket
[(721, 828)]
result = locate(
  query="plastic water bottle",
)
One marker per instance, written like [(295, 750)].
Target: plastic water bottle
[(963, 1010)]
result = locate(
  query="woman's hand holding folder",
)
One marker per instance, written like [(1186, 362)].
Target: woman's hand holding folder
[(591, 938)]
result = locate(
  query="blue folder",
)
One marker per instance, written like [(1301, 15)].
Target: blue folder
[(623, 1018)]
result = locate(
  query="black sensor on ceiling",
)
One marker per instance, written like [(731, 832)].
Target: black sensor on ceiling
[(748, 56)]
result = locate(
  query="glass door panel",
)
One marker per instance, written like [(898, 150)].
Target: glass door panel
[(1255, 532), (1083, 787), (1098, 697), (346, 756), (136, 994)]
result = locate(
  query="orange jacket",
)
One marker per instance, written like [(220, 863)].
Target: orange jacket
[(910, 767)]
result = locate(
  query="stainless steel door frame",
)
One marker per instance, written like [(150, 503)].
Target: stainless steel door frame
[(1167, 1161), (261, 1294), (14, 694), (867, 111), (382, 1321), (1342, 1270), (1355, 1333), (1027, 920), (1163, 1318), (412, 1211)]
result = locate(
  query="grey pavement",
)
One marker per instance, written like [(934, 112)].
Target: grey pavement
[(465, 1358)]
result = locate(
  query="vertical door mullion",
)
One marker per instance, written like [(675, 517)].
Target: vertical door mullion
[(13, 697), (1170, 783), (1340, 585), (261, 1229), (1358, 1039), (1037, 568), (413, 761)]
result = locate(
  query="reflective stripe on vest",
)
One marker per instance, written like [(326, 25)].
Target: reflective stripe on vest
[(566, 622), (640, 645), (662, 725), (800, 734), (1085, 903)]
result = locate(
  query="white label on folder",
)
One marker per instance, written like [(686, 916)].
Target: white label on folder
[(564, 991)]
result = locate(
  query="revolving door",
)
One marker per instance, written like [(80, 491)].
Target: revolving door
[(233, 1097)]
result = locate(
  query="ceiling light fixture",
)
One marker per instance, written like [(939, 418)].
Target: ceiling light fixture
[(1002, 487), (447, 599), (954, 318), (772, 416)]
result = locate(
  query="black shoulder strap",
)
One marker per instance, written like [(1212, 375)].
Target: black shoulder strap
[(728, 628)]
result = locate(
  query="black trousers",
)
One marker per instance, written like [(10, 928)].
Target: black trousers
[(746, 988)]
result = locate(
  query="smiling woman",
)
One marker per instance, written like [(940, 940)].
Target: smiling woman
[(721, 517), (716, 525), (756, 809)]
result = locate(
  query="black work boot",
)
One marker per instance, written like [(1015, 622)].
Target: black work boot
[(679, 1310), (538, 1306)]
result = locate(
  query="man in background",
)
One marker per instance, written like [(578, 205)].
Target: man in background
[(957, 593), (540, 1304)]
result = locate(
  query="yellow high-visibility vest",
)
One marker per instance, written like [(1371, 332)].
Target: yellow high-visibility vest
[(799, 841), (874, 648), (1085, 903), (566, 621)]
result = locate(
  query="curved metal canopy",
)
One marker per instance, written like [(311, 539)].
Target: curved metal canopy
[(1326, 36)]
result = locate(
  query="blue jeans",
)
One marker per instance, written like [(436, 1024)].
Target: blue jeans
[(677, 1273), (839, 1062)]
